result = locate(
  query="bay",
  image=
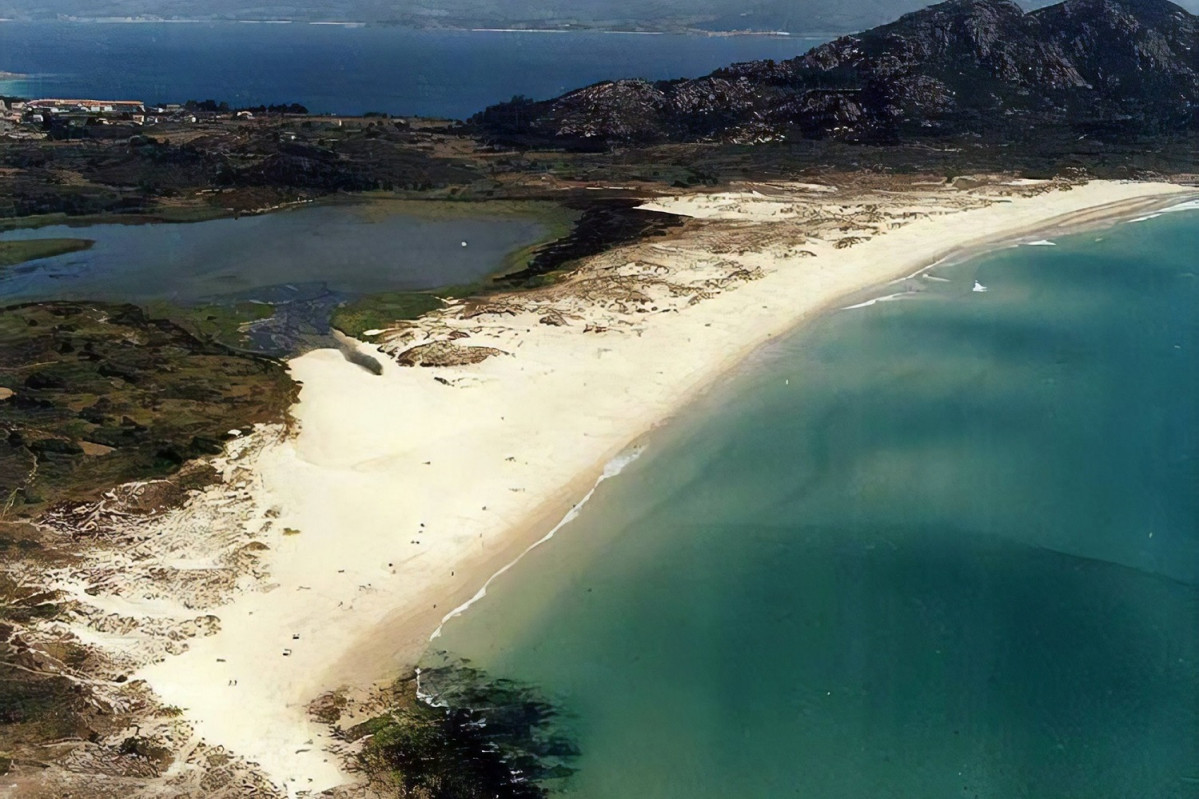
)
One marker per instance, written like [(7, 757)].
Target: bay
[(349, 70), (941, 546)]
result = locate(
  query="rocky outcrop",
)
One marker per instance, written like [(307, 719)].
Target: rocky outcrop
[(980, 67), (445, 353)]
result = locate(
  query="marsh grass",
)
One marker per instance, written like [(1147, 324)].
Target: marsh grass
[(17, 252)]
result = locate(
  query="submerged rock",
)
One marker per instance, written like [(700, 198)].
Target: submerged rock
[(454, 732)]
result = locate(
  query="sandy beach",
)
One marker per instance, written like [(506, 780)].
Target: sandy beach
[(335, 550)]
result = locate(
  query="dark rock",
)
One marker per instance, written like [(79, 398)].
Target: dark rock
[(982, 67)]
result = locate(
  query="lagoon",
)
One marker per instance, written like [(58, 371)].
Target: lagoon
[(304, 262)]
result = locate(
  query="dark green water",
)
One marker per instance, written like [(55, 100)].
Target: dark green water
[(348, 249), (956, 555)]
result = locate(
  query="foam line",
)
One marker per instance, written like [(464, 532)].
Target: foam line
[(887, 298), (611, 469), (1189, 205)]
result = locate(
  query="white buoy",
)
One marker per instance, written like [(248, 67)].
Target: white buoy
[(464, 244)]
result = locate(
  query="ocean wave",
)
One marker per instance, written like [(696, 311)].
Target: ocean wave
[(429, 699), (887, 298), (1189, 205), (1042, 243), (611, 469)]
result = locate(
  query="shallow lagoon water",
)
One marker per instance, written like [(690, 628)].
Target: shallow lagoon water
[(941, 546), (304, 263), (348, 248)]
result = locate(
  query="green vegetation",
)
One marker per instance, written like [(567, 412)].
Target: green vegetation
[(221, 324), (92, 396), (16, 252), (379, 311), (35, 705), (97, 395), (166, 213)]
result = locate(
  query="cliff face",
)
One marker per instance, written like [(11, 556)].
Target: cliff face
[(982, 67)]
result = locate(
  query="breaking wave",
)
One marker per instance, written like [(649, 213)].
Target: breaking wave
[(887, 298), (611, 469)]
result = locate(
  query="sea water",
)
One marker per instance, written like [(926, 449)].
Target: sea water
[(945, 545), (349, 70)]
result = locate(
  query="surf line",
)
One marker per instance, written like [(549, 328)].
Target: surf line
[(876, 300), (611, 469)]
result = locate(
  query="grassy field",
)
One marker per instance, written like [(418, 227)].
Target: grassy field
[(16, 252), (378, 311), (180, 213), (222, 324)]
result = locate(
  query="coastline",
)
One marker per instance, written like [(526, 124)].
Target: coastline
[(477, 462)]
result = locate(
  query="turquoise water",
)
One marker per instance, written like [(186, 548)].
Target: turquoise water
[(946, 546)]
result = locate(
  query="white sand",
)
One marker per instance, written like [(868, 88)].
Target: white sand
[(477, 470)]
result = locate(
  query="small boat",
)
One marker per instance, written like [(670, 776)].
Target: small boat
[(979, 287)]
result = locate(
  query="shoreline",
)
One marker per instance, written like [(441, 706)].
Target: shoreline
[(549, 519), (1093, 218), (381, 485)]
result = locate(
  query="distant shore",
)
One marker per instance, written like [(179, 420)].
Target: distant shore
[(476, 28), (402, 494)]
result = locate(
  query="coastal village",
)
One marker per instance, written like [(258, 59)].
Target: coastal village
[(72, 118)]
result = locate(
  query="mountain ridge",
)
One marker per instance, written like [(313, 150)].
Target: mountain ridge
[(961, 67)]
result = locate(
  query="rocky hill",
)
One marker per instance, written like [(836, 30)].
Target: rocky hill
[(984, 68)]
